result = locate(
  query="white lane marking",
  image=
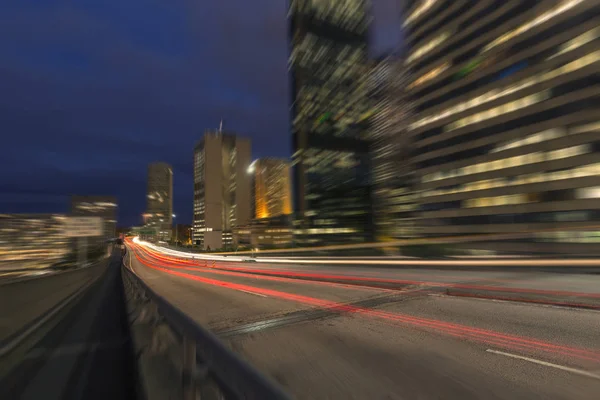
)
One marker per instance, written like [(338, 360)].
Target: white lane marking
[(547, 364), (249, 292)]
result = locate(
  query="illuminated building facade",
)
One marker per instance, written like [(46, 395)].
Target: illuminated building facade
[(506, 125), (104, 207), (272, 193), (159, 209), (221, 189), (329, 113), (32, 240), (272, 208), (394, 201), (266, 233)]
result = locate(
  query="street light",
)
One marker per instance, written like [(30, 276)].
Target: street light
[(176, 230), (251, 167)]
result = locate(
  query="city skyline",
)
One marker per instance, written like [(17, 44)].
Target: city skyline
[(134, 70)]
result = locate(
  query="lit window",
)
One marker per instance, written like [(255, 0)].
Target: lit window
[(593, 127), (427, 47), (495, 94), (579, 41), (564, 6), (429, 75), (420, 10)]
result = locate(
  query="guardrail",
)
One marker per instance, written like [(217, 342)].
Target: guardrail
[(177, 358)]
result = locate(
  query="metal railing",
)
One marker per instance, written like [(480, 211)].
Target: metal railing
[(178, 358)]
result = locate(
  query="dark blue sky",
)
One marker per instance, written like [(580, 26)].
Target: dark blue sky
[(92, 91)]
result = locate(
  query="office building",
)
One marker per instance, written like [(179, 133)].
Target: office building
[(159, 210), (221, 188), (266, 233), (104, 207), (394, 200), (329, 114), (272, 193), (182, 233), (32, 240), (506, 126)]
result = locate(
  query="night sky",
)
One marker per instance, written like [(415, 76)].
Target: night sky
[(93, 91)]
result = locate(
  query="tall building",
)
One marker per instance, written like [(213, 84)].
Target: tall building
[(329, 113), (394, 200), (272, 193), (182, 233), (221, 188), (159, 209), (271, 196), (104, 207), (506, 128), (32, 240)]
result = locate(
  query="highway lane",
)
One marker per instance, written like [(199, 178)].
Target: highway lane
[(451, 273), (27, 298), (327, 340)]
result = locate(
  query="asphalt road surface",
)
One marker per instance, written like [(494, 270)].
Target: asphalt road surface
[(370, 333), (82, 353)]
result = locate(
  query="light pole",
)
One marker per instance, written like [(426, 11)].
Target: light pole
[(176, 230)]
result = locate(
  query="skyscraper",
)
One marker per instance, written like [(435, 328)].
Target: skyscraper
[(394, 200), (330, 109), (159, 210), (272, 194), (221, 188), (506, 97)]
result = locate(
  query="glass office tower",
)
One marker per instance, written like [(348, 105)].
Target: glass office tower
[(329, 113)]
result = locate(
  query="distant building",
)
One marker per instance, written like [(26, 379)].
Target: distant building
[(104, 207), (271, 226), (159, 210), (329, 112), (182, 233), (271, 205), (32, 240), (266, 233), (221, 188), (272, 193)]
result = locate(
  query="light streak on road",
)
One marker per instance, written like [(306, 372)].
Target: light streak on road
[(391, 283), (486, 336), (179, 264), (573, 262)]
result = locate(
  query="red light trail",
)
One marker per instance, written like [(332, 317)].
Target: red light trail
[(461, 331)]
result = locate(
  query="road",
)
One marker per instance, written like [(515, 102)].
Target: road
[(379, 333), (25, 298), (83, 352)]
